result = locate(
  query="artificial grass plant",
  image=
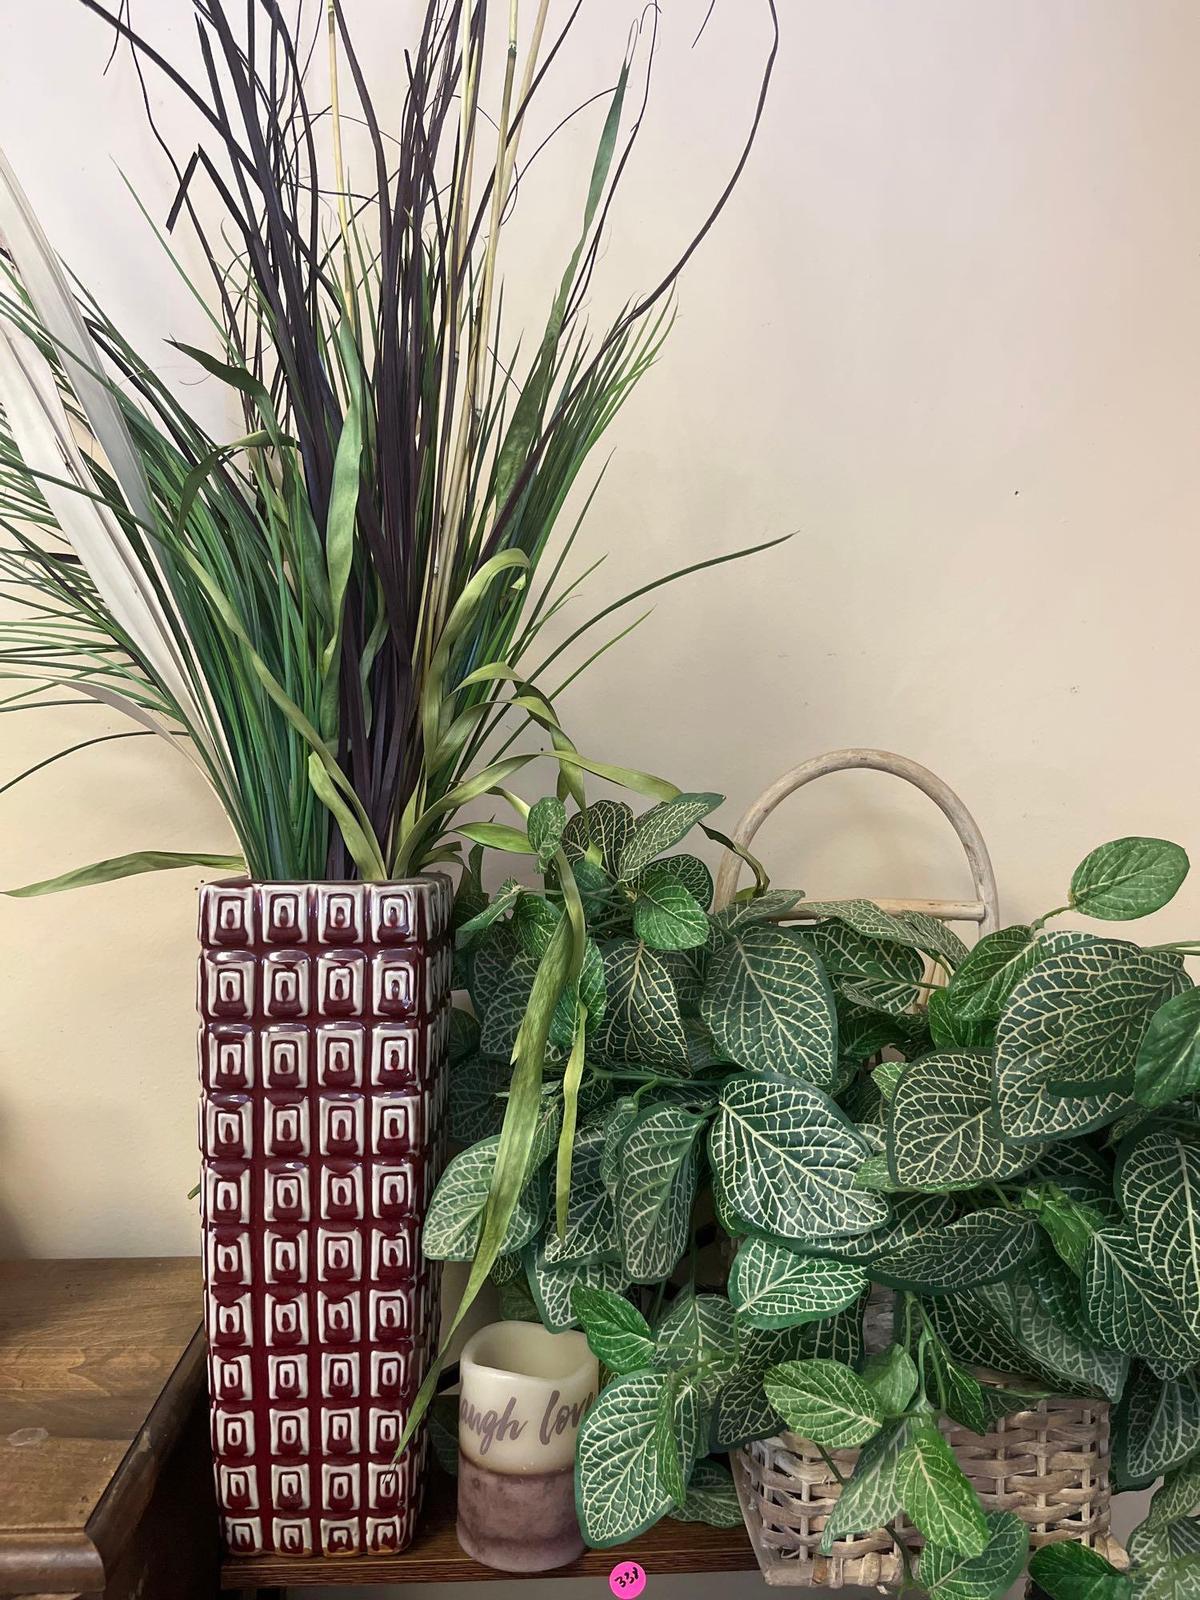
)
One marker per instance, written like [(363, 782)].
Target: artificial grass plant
[(336, 615)]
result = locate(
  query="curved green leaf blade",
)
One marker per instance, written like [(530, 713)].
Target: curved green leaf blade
[(126, 867), (591, 1229)]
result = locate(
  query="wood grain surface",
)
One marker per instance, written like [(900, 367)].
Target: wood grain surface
[(101, 1367)]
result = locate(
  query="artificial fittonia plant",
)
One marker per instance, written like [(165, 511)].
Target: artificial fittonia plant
[(756, 1124)]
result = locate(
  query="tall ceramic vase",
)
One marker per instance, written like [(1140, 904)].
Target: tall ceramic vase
[(325, 1016)]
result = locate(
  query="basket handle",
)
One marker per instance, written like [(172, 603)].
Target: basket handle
[(984, 909)]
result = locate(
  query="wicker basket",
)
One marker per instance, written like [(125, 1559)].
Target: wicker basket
[(1049, 1466)]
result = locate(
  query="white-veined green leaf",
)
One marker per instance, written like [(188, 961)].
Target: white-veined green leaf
[(1131, 1308), (1156, 1426), (768, 1003), (787, 1157), (772, 1287), (765, 907), (942, 1130), (937, 1495), (742, 1410), (553, 1285), (1167, 1578), (1158, 1185), (619, 1489), (1053, 1018), (699, 1334), (982, 984), (642, 1021), (979, 1248), (662, 826), (1071, 1571), (891, 1375), (658, 1185), (452, 1226), (1168, 1060), (871, 1497), (946, 1575), (824, 1401), (606, 825), (881, 975), (477, 1087), (1128, 878), (617, 1333), (688, 870), (665, 914), (710, 1497), (545, 825)]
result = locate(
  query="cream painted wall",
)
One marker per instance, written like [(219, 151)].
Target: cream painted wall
[(947, 331)]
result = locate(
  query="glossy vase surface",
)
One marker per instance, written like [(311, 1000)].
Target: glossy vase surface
[(324, 1023)]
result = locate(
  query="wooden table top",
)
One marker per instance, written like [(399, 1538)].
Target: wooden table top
[(100, 1363), (435, 1556)]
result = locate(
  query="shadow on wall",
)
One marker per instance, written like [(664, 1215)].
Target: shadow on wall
[(12, 1247)]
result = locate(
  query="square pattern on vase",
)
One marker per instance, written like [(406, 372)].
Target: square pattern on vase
[(324, 1024)]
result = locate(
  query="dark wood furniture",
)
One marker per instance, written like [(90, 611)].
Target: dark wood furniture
[(105, 1475)]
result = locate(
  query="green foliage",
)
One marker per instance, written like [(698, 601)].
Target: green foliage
[(937, 1495), (945, 1574), (1073, 1572), (825, 1401), (982, 1157), (1128, 878)]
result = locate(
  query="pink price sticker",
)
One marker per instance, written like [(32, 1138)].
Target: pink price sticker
[(627, 1580)]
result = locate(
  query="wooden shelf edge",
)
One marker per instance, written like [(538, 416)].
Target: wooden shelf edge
[(435, 1557)]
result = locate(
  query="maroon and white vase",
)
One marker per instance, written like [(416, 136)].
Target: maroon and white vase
[(325, 1020)]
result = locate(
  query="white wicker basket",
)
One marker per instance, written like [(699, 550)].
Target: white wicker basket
[(1049, 1465)]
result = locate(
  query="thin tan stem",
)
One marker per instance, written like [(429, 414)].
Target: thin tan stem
[(338, 164)]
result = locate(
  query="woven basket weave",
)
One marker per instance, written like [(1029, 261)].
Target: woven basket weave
[(1048, 1465)]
